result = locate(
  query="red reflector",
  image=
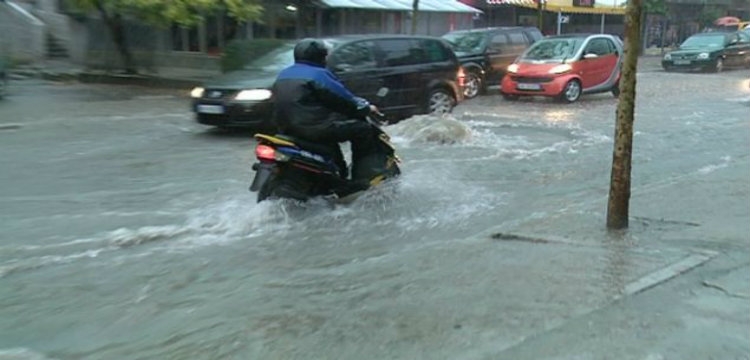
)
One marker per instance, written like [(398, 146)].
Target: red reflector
[(265, 152)]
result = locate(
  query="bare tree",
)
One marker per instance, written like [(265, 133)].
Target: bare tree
[(619, 190)]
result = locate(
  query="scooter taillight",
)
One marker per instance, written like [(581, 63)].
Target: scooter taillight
[(265, 152), (461, 76)]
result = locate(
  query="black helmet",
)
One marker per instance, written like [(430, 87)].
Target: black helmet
[(311, 51)]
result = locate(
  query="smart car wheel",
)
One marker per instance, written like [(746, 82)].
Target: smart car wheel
[(473, 85), (571, 92), (616, 90), (3, 86), (510, 97), (440, 101)]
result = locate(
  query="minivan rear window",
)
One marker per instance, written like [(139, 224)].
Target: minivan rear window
[(468, 42), (399, 52)]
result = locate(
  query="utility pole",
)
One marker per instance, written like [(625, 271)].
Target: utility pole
[(414, 16), (619, 190)]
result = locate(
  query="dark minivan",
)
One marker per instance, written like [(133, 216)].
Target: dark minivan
[(421, 73), (486, 53)]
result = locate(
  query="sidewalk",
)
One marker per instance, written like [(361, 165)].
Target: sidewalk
[(171, 78), (62, 70)]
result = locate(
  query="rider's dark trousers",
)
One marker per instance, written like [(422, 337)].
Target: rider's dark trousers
[(361, 135)]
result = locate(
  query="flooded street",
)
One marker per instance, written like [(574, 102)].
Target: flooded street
[(129, 232)]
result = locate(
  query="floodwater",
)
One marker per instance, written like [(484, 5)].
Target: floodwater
[(128, 230)]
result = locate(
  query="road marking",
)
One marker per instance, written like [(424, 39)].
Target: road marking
[(667, 273)]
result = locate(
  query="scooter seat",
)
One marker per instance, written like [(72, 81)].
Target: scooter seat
[(326, 150)]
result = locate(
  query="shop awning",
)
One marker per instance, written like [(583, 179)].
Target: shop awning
[(449, 6), (566, 6), (525, 3)]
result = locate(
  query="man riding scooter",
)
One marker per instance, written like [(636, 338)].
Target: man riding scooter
[(312, 104)]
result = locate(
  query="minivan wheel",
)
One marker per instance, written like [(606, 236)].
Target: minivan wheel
[(719, 66), (472, 85), (571, 92), (440, 101)]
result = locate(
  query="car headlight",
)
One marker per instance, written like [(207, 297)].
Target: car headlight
[(559, 69), (703, 56), (197, 92), (513, 68), (254, 95), (668, 57)]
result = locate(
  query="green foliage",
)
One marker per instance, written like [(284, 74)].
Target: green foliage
[(166, 12), (708, 15), (655, 7), (239, 52)]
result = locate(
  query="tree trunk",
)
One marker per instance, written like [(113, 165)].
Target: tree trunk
[(117, 31), (540, 15), (414, 16), (619, 191)]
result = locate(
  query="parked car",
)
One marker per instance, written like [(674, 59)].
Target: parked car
[(710, 51), (486, 53), (566, 67), (422, 74)]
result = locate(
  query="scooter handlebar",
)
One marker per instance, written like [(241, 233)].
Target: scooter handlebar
[(378, 117)]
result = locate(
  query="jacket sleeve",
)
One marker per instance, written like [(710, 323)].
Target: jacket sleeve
[(336, 96)]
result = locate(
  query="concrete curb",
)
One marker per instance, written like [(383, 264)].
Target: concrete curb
[(137, 80), (106, 78)]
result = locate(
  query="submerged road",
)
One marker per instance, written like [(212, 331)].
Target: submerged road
[(129, 233)]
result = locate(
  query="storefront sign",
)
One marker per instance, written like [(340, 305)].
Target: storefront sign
[(583, 3)]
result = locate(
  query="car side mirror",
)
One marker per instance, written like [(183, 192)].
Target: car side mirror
[(590, 56)]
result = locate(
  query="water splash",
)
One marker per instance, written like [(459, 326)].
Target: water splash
[(22, 354), (430, 129)]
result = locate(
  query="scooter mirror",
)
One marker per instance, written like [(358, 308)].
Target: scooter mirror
[(382, 92)]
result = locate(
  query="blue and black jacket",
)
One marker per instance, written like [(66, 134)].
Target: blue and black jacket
[(308, 98)]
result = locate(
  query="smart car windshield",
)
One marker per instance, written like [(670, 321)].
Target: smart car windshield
[(275, 60), (469, 42), (553, 49), (704, 41)]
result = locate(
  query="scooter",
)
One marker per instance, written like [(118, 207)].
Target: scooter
[(292, 168)]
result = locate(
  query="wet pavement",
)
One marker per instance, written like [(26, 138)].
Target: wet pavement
[(129, 233)]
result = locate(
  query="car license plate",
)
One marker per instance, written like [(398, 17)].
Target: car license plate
[(682, 62), (523, 86), (210, 109)]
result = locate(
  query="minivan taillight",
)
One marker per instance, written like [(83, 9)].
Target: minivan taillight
[(461, 76)]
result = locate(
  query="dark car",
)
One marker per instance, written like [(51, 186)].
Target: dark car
[(421, 73), (710, 51), (486, 53)]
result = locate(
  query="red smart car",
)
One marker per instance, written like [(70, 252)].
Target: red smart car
[(565, 67)]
